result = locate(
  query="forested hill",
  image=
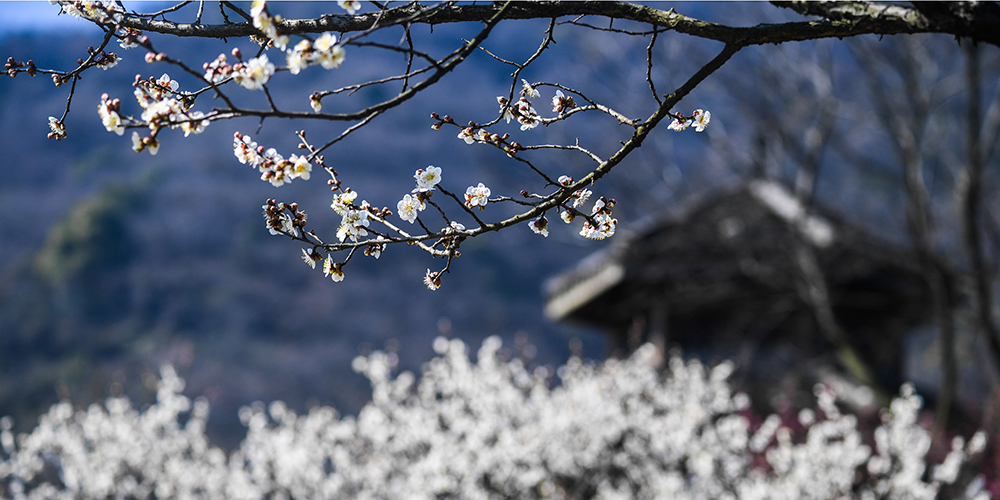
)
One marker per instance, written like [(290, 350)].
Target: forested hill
[(113, 263)]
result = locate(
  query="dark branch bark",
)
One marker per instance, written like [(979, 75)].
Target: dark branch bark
[(979, 21), (841, 20)]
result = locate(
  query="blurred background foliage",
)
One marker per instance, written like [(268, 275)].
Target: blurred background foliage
[(112, 263)]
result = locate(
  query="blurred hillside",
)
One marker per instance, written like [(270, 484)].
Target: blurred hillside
[(112, 263)]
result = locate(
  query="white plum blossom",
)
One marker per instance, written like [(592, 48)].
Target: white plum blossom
[(353, 224), (679, 125), (301, 167), (528, 90), (328, 53), (700, 119), (432, 280), (335, 270), (102, 12), (427, 178), (468, 135), (255, 73), (311, 257), (567, 216), (284, 225), (57, 127), (342, 202), (246, 150), (148, 92), (508, 111), (477, 196), (217, 70), (297, 59), (351, 6), (376, 248), (108, 111), (137, 145), (540, 225), (324, 52), (580, 197), (195, 124), (407, 208), (561, 102), (526, 114), (604, 227)]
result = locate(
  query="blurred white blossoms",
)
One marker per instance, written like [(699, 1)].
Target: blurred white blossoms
[(489, 429), (477, 196), (351, 6), (263, 21), (254, 74), (218, 70), (108, 111), (103, 12), (324, 52), (427, 178)]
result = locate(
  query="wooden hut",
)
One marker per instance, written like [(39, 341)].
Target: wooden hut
[(727, 277)]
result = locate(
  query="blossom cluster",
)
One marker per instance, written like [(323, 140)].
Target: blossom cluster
[(699, 119), (162, 106), (324, 52), (522, 111), (253, 74), (426, 178), (268, 24), (107, 11), (273, 167), (490, 429), (603, 225)]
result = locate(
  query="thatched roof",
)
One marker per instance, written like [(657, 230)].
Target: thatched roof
[(735, 249)]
